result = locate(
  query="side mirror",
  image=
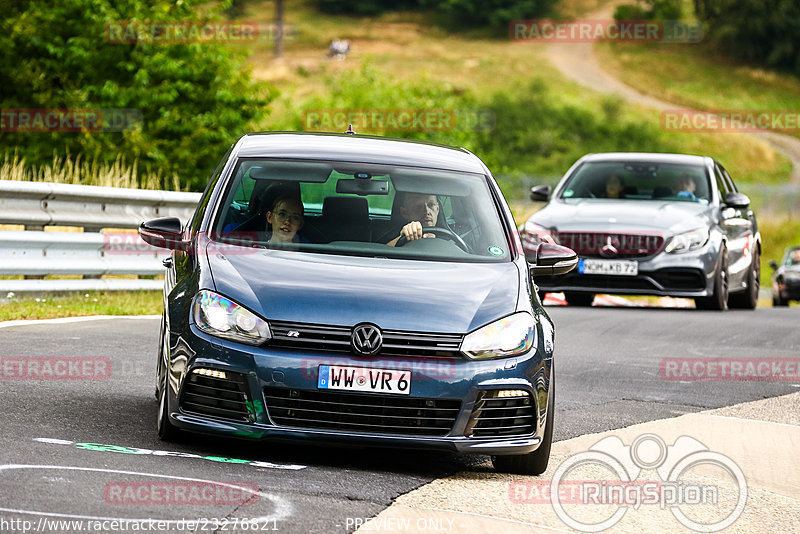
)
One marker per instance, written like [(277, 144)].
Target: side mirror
[(549, 260), (773, 265), (540, 193), (737, 200), (165, 232)]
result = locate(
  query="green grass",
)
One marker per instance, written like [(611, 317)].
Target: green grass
[(695, 75), (49, 306)]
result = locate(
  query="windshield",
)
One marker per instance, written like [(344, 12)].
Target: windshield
[(639, 181), (360, 209), (792, 257)]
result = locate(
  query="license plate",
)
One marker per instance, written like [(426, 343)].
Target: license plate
[(619, 267), (364, 379)]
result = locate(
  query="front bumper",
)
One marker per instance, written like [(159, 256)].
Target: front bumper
[(789, 289), (267, 369), (690, 274)]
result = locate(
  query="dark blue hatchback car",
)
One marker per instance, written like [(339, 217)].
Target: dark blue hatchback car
[(363, 290)]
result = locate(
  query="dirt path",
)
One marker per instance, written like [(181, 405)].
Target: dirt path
[(578, 62)]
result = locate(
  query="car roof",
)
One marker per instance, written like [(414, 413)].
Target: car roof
[(654, 157), (357, 148)]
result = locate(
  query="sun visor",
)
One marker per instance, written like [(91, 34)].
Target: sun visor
[(431, 182), (289, 171)]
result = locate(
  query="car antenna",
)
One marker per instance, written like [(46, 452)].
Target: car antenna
[(350, 130)]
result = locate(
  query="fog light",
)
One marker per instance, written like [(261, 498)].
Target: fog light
[(508, 393), (210, 372)]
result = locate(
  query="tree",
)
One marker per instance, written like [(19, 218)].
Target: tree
[(193, 99), (764, 32)]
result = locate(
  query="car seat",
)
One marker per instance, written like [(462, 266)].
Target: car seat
[(345, 219)]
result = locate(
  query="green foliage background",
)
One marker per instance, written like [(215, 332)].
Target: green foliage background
[(522, 135), (194, 98), (764, 32)]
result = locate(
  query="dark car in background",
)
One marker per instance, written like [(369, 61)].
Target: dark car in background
[(651, 224), (336, 336), (786, 277)]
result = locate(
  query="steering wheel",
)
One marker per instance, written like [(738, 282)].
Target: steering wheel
[(438, 231)]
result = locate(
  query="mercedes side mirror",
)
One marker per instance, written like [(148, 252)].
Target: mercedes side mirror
[(773, 265), (737, 200), (547, 259), (164, 232), (540, 193)]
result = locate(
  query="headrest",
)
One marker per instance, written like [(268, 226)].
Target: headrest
[(345, 209)]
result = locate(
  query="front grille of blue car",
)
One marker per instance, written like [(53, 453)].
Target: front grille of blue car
[(218, 397), (331, 338), (357, 412), (501, 417)]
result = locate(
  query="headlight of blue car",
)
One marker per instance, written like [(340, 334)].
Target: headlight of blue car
[(509, 336), (221, 317)]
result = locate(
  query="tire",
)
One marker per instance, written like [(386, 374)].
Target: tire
[(748, 299), (718, 300), (777, 301), (533, 463), (166, 430), (578, 299)]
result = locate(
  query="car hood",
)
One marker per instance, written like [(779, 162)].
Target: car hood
[(603, 215), (341, 290)]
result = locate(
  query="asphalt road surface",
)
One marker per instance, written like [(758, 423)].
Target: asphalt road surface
[(79, 450)]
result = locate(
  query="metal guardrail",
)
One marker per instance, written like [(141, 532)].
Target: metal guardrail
[(89, 253), (43, 203)]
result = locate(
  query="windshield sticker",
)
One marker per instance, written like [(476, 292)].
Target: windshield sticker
[(568, 193), (496, 251), (98, 447)]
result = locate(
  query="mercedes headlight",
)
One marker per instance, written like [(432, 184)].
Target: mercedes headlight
[(221, 317), (532, 234), (687, 241), (510, 336)]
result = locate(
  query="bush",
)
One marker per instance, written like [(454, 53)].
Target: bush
[(363, 7), (763, 32), (537, 135), (649, 10), (496, 14), (193, 99), (531, 133)]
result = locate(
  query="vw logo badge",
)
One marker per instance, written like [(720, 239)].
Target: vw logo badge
[(366, 339)]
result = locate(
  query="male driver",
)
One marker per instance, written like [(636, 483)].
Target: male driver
[(422, 211)]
